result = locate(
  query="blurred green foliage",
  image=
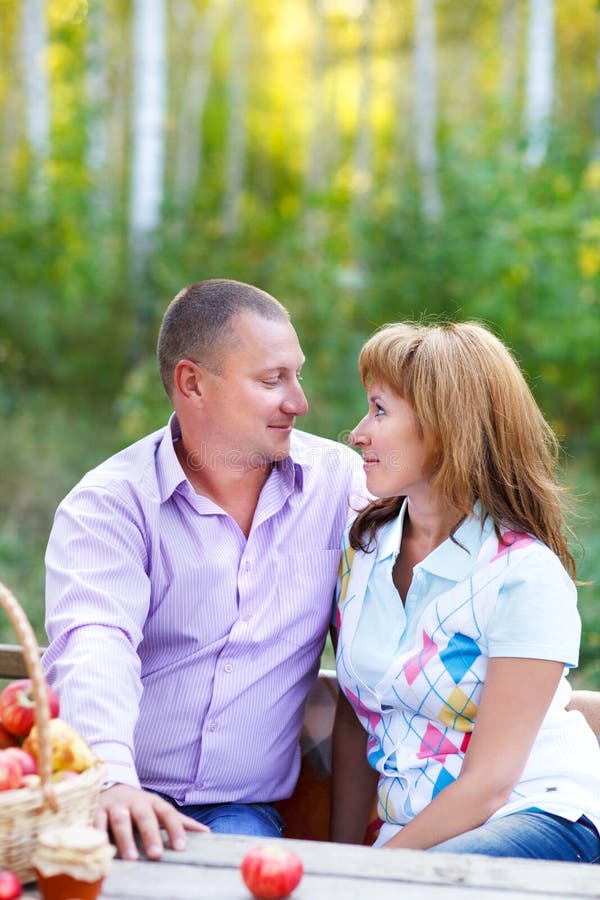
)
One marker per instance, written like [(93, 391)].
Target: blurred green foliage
[(516, 248)]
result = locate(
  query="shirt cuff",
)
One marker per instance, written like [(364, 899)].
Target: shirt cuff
[(119, 763)]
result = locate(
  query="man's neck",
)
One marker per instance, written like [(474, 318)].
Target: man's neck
[(235, 489)]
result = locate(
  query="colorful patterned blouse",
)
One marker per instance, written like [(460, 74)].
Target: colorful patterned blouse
[(414, 673)]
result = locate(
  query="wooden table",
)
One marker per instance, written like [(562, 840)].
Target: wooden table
[(209, 870)]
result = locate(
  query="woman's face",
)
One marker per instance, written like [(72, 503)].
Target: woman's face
[(392, 445)]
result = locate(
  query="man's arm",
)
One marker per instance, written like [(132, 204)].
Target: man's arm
[(97, 601)]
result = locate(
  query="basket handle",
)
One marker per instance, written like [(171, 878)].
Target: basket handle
[(31, 656)]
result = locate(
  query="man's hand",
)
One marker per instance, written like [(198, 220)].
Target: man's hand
[(122, 809)]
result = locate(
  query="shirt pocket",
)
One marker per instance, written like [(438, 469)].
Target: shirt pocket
[(305, 595)]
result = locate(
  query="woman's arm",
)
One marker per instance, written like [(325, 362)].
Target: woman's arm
[(354, 782), (588, 703), (514, 701)]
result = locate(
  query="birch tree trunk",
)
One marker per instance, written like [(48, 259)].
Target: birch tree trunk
[(315, 176), (363, 146), (235, 150), (510, 47), (540, 80), (148, 139), (200, 33), (118, 111), (34, 30), (97, 105), (425, 108), (315, 179)]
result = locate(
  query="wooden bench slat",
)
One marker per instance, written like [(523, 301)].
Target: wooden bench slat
[(12, 664)]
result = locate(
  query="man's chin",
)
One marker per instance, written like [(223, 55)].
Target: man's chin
[(280, 454), (260, 459)]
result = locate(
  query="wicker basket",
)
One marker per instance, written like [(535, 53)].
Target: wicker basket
[(27, 811)]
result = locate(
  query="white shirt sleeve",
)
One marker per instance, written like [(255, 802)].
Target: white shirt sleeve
[(536, 612)]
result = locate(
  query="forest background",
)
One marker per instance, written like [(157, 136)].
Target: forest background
[(364, 161)]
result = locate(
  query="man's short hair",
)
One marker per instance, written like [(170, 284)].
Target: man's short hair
[(197, 324)]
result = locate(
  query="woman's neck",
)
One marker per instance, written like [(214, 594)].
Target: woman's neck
[(427, 524)]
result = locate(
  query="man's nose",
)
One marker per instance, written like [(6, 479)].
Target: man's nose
[(296, 403)]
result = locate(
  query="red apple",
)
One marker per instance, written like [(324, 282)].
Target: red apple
[(17, 709), (271, 872), (6, 738), (10, 772), (27, 762), (10, 886)]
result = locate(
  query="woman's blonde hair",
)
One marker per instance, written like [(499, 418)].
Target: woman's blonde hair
[(487, 437)]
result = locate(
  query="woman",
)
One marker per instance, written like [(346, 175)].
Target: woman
[(457, 613)]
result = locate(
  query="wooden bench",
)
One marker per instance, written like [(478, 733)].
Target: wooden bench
[(12, 664)]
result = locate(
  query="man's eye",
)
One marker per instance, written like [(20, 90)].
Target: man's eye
[(380, 411)]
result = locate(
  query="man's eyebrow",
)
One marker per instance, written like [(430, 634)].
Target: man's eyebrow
[(283, 368)]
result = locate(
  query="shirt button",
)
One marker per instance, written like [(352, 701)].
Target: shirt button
[(213, 726), (228, 667)]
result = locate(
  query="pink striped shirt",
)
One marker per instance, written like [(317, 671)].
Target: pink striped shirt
[(182, 650)]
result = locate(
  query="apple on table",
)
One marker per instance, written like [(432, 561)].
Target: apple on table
[(271, 871), (10, 886)]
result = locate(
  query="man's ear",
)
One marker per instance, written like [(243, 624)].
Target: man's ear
[(188, 379)]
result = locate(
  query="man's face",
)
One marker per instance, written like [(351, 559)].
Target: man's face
[(249, 408)]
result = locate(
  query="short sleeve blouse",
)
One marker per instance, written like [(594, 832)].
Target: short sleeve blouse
[(535, 615)]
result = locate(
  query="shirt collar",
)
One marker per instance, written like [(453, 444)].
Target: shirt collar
[(454, 558), (168, 468), (388, 539), (291, 473)]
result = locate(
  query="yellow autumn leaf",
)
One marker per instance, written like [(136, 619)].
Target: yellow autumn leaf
[(589, 261)]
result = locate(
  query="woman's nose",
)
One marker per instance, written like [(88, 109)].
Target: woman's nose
[(357, 438)]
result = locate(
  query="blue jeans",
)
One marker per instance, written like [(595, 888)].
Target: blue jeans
[(530, 833), (260, 819)]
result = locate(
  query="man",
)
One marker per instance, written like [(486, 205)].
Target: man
[(190, 580)]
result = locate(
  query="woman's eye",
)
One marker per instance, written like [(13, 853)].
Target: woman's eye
[(379, 410)]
